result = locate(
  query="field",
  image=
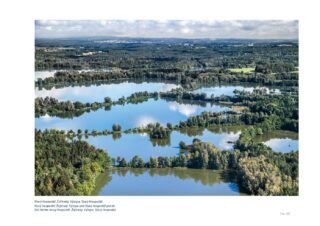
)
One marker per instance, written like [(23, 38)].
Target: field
[(242, 70)]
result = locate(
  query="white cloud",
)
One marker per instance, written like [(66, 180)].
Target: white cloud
[(76, 28), (103, 22), (186, 30), (183, 23), (168, 28)]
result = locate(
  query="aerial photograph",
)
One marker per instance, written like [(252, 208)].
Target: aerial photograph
[(166, 107)]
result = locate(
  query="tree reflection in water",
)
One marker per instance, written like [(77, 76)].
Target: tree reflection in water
[(204, 177)]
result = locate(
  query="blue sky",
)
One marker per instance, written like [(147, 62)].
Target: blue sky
[(252, 29)]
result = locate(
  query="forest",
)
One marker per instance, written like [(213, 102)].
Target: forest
[(66, 167), (183, 61)]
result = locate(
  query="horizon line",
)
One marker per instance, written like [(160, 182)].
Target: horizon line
[(141, 37)]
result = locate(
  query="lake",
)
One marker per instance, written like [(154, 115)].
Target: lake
[(280, 140), (128, 116), (50, 73), (96, 93), (229, 90), (129, 145), (167, 181)]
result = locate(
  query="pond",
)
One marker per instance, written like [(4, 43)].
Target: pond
[(50, 73), (280, 140), (229, 90), (96, 93), (128, 116), (129, 145), (167, 181)]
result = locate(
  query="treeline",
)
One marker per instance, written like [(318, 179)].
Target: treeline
[(200, 155), (207, 119), (66, 167), (76, 77), (240, 97), (140, 97), (279, 67), (69, 109), (184, 78), (156, 131)]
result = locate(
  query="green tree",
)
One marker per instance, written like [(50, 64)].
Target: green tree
[(136, 162), (116, 127), (123, 163), (153, 162), (183, 145), (107, 100)]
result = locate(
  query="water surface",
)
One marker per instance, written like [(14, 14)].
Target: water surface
[(228, 90), (167, 181), (129, 145), (280, 140), (96, 93), (128, 116), (43, 74), (50, 73)]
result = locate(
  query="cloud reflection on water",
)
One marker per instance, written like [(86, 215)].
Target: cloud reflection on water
[(185, 109)]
